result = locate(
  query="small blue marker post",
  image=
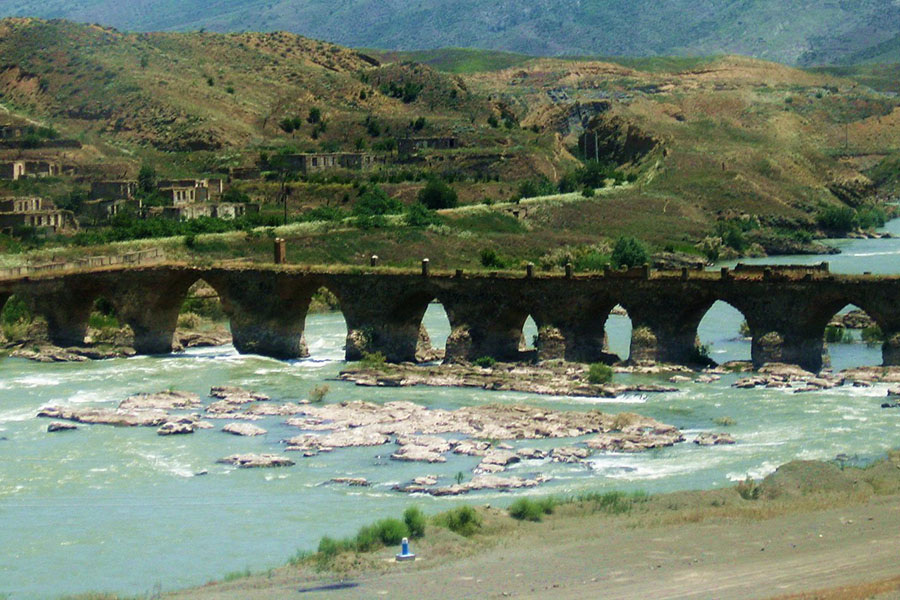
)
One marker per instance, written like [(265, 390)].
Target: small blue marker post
[(405, 554)]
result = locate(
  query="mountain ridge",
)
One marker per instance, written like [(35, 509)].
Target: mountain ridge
[(804, 32)]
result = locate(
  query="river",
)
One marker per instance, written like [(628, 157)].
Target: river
[(124, 510)]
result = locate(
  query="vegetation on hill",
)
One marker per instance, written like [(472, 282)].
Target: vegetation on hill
[(556, 160)]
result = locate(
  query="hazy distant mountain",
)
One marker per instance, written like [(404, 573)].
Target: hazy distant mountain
[(791, 31)]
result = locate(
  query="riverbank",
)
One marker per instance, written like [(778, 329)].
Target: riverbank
[(808, 526)]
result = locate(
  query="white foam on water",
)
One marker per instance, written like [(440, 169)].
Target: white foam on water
[(758, 472), (36, 381), (166, 465), (13, 416)]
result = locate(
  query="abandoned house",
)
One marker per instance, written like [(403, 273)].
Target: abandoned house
[(113, 189), (314, 163), (17, 214), (13, 170), (412, 145)]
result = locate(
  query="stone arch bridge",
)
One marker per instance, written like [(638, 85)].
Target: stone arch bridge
[(787, 310)]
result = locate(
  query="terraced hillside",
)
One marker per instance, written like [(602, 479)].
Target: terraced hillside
[(730, 153)]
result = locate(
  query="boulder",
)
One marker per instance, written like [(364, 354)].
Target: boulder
[(531, 453), (251, 461), (236, 395), (351, 481), (57, 426), (175, 428), (569, 454), (244, 429), (713, 439)]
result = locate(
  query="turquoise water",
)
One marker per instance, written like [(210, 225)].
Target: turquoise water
[(124, 510)]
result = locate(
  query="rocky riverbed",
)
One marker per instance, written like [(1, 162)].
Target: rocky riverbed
[(409, 431), (550, 378)]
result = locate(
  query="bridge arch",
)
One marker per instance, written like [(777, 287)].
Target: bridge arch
[(720, 333)]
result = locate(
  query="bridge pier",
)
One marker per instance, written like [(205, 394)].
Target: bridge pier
[(66, 310), (664, 326), (267, 311), (890, 349)]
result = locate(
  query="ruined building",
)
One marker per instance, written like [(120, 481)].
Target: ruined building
[(17, 214), (411, 145)]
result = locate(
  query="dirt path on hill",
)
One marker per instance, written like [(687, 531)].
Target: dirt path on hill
[(596, 557)]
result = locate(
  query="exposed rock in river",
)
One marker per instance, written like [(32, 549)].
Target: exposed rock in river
[(251, 461), (244, 429), (713, 439), (552, 378), (479, 482), (57, 426), (236, 395), (175, 428), (106, 416), (168, 400)]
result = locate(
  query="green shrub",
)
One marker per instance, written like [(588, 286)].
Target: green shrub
[(374, 201), (629, 252), (525, 509), (463, 520), (318, 393), (599, 373), (491, 259), (724, 421), (613, 503), (330, 547), (748, 489), (15, 311), (872, 334), (415, 521), (437, 195), (419, 215), (485, 362), (390, 532), (324, 213), (373, 360), (837, 219), (837, 335), (871, 217)]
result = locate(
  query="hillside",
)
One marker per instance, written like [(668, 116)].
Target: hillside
[(708, 152), (792, 31)]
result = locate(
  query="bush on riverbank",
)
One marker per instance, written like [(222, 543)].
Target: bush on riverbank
[(525, 509), (599, 374)]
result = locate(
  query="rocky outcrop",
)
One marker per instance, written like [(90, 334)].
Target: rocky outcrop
[(714, 439), (168, 400), (236, 395), (479, 482), (175, 428), (351, 481), (106, 416), (253, 461), (244, 429), (362, 436), (634, 433), (57, 426), (776, 375), (550, 378)]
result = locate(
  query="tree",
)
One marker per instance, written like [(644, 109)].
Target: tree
[(315, 115), (147, 179), (287, 125), (436, 195), (629, 252), (374, 201)]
